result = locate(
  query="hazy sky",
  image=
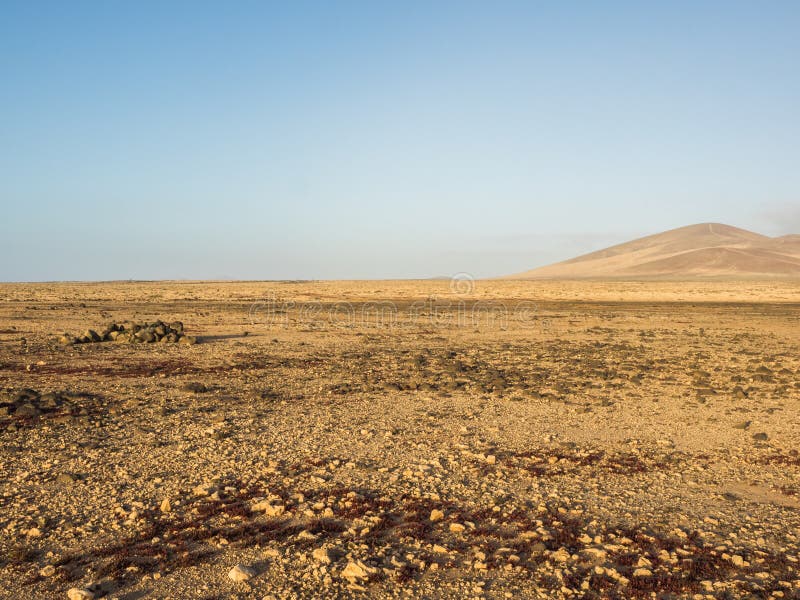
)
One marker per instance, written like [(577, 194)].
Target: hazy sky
[(343, 140)]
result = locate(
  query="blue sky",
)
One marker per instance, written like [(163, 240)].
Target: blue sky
[(377, 140)]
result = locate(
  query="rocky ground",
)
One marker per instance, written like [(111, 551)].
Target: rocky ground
[(401, 439)]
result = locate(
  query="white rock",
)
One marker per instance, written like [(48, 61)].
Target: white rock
[(241, 573), (357, 571), (271, 510), (436, 515), (561, 555), (594, 554), (47, 571), (204, 489), (321, 555)]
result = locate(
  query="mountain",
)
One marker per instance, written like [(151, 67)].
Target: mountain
[(705, 250)]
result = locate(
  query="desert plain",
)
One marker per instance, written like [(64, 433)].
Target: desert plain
[(402, 439)]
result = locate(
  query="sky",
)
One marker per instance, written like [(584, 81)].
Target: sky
[(316, 140)]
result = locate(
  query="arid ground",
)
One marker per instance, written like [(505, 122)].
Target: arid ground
[(434, 439)]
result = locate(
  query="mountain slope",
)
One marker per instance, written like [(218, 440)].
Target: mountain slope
[(705, 250)]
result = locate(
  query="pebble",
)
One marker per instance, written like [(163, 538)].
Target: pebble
[(80, 594)]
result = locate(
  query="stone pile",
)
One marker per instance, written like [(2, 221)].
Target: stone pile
[(130, 332), (21, 406)]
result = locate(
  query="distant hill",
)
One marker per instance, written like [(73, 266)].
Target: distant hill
[(706, 250)]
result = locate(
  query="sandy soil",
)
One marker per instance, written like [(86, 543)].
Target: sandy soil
[(388, 439)]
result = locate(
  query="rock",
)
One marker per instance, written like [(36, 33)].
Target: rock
[(436, 515), (187, 339), (594, 555), (80, 594), (642, 572), (47, 571), (166, 506), (66, 479), (457, 527), (321, 555), (25, 394), (205, 489), (27, 410), (561, 555), (67, 339), (269, 509), (146, 336), (241, 573), (49, 400), (195, 387), (357, 571), (760, 436), (491, 459), (92, 335)]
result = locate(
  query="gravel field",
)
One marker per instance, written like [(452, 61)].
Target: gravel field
[(410, 439)]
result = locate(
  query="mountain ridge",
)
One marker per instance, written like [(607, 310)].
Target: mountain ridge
[(702, 250)]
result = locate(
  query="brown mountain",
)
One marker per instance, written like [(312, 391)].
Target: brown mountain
[(706, 250)]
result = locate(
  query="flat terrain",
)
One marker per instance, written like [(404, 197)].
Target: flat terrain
[(498, 439)]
